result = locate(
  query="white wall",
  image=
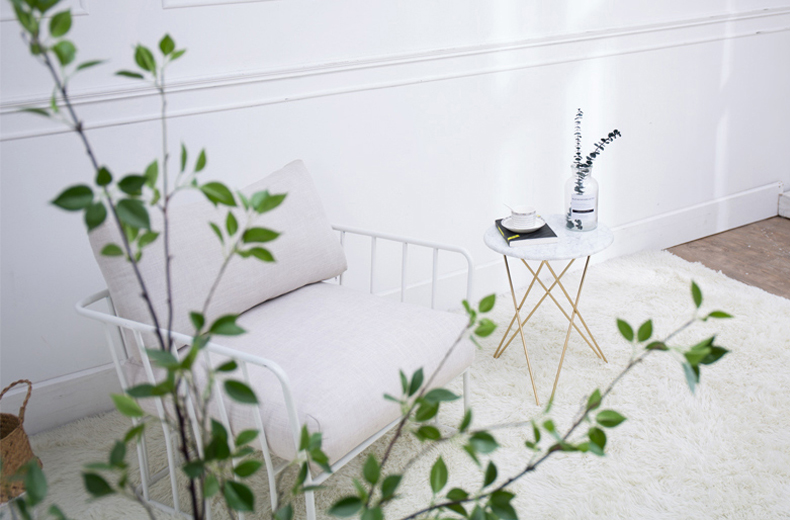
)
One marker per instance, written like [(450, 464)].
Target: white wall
[(415, 117)]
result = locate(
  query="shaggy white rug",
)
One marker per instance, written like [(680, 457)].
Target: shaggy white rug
[(723, 452)]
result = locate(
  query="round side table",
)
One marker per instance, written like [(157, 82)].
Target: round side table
[(571, 246)]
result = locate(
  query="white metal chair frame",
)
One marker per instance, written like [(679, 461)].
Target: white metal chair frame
[(243, 359)]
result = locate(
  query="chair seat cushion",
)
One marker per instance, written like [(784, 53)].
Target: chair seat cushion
[(342, 350)]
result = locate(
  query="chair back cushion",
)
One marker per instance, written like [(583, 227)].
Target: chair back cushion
[(307, 251)]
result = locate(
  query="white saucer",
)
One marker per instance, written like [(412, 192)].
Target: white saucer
[(539, 223)]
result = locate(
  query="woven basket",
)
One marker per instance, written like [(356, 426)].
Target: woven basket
[(15, 450)]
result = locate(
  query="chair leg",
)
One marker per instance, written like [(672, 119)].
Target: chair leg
[(309, 504)]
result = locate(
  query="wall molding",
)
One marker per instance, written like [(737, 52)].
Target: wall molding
[(78, 8), (268, 87)]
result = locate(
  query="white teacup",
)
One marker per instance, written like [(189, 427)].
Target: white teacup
[(522, 217)]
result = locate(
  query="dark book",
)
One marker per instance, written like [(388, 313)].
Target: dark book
[(542, 236)]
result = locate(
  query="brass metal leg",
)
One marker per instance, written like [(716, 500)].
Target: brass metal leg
[(599, 352), (496, 355), (521, 330), (570, 327)]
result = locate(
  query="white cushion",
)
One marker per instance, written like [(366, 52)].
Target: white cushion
[(342, 350), (307, 251)]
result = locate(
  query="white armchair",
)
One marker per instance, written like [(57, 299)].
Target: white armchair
[(316, 352)]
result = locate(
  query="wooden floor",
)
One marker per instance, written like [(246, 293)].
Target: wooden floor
[(757, 254)]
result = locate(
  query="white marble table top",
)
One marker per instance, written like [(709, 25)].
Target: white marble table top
[(572, 244)]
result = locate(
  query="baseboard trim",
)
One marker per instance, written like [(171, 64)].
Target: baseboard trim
[(63, 399), (784, 204)]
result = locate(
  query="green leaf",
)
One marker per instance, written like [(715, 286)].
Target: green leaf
[(645, 331), (26, 19), (500, 505), (345, 507), (536, 432), (129, 74), (263, 201), (35, 483), (483, 442), (56, 512), (440, 394), (258, 234), (118, 454), (438, 477), (389, 486), (609, 418), (240, 392), (715, 354), (485, 327), (426, 432), (285, 513), (141, 391), (426, 411), (177, 54), (201, 162), (594, 401), (95, 215), (657, 345), (112, 250), (127, 406), (696, 294), (320, 458), (226, 326), (692, 377), (238, 496), (38, 111), (198, 320), (210, 486), (416, 382), (625, 330), (65, 51), (694, 356), (371, 470), (184, 156), (404, 381), (258, 252), (103, 176), (60, 24), (132, 184), (229, 366), (247, 468), (217, 232), (194, 469), (89, 64), (151, 174), (148, 238), (597, 437), (455, 495), (487, 303), (470, 449), (246, 437), (373, 514), (162, 358), (218, 193), (304, 439), (96, 485), (467, 421), (167, 45), (133, 213), (145, 59), (74, 198), (718, 315), (134, 432), (491, 474), (231, 224)]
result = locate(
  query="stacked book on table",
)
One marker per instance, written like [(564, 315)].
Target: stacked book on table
[(541, 236)]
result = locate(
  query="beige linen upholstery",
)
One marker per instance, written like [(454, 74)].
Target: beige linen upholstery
[(342, 350), (307, 251)]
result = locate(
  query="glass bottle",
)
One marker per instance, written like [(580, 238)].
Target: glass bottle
[(581, 199)]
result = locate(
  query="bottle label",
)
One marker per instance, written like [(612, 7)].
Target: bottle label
[(583, 208)]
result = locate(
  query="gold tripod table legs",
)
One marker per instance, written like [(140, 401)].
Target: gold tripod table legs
[(574, 313)]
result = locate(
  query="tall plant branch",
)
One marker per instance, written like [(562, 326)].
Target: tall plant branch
[(584, 412)]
